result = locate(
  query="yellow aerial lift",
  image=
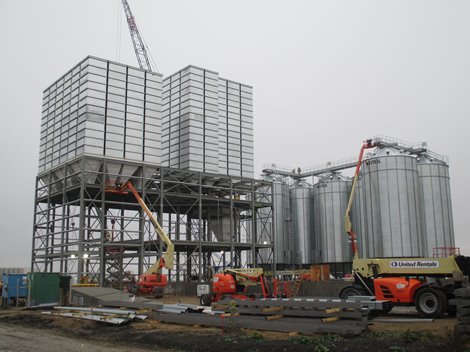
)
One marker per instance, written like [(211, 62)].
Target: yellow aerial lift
[(152, 281), (427, 283)]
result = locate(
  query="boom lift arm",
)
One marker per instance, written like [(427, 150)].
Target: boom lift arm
[(347, 218), (166, 260)]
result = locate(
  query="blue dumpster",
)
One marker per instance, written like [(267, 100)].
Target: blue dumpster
[(15, 287)]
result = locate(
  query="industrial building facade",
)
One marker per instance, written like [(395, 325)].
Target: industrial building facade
[(102, 108), (207, 123), (102, 126), (185, 142)]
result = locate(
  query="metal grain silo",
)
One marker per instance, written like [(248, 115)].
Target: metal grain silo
[(435, 202), (391, 205), (283, 244), (330, 200), (301, 203)]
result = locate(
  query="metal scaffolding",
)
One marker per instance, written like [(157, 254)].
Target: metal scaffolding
[(214, 221)]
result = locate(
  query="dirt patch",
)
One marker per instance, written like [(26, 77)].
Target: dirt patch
[(150, 334)]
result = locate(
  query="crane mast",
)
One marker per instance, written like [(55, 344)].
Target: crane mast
[(139, 46)]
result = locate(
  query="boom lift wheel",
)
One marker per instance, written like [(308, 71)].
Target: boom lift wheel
[(205, 300), (351, 291), (431, 303)]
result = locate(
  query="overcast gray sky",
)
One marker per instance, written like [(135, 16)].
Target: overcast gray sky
[(326, 75)]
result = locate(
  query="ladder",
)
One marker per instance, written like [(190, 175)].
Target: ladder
[(296, 287)]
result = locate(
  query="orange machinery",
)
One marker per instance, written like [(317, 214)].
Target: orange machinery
[(427, 283), (233, 283), (152, 281)]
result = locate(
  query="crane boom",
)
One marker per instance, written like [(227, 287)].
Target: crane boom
[(347, 218), (139, 46)]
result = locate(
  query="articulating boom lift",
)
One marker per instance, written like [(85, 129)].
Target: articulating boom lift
[(152, 281), (233, 283), (347, 219)]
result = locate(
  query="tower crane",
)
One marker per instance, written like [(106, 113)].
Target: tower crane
[(137, 41)]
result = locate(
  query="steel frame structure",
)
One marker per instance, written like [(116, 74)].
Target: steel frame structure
[(215, 221)]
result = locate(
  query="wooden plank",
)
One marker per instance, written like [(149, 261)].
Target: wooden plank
[(329, 320), (274, 317), (228, 315), (271, 309), (332, 310)]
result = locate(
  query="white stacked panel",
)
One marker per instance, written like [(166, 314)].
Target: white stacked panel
[(190, 120), (236, 155), (102, 108), (207, 123)]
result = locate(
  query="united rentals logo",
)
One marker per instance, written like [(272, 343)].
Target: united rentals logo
[(410, 264)]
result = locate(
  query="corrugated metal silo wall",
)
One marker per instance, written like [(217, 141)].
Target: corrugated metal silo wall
[(436, 205), (301, 203), (391, 207), (330, 199), (281, 210)]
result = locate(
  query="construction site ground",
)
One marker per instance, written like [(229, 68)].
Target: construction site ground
[(26, 330)]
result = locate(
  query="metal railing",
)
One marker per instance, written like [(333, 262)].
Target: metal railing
[(419, 148)]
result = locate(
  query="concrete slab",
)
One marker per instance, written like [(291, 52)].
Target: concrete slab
[(86, 296)]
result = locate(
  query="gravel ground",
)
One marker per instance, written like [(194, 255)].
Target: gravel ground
[(24, 339)]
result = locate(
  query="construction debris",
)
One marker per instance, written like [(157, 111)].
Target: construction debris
[(106, 315), (121, 312), (95, 317), (306, 316), (181, 308)]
